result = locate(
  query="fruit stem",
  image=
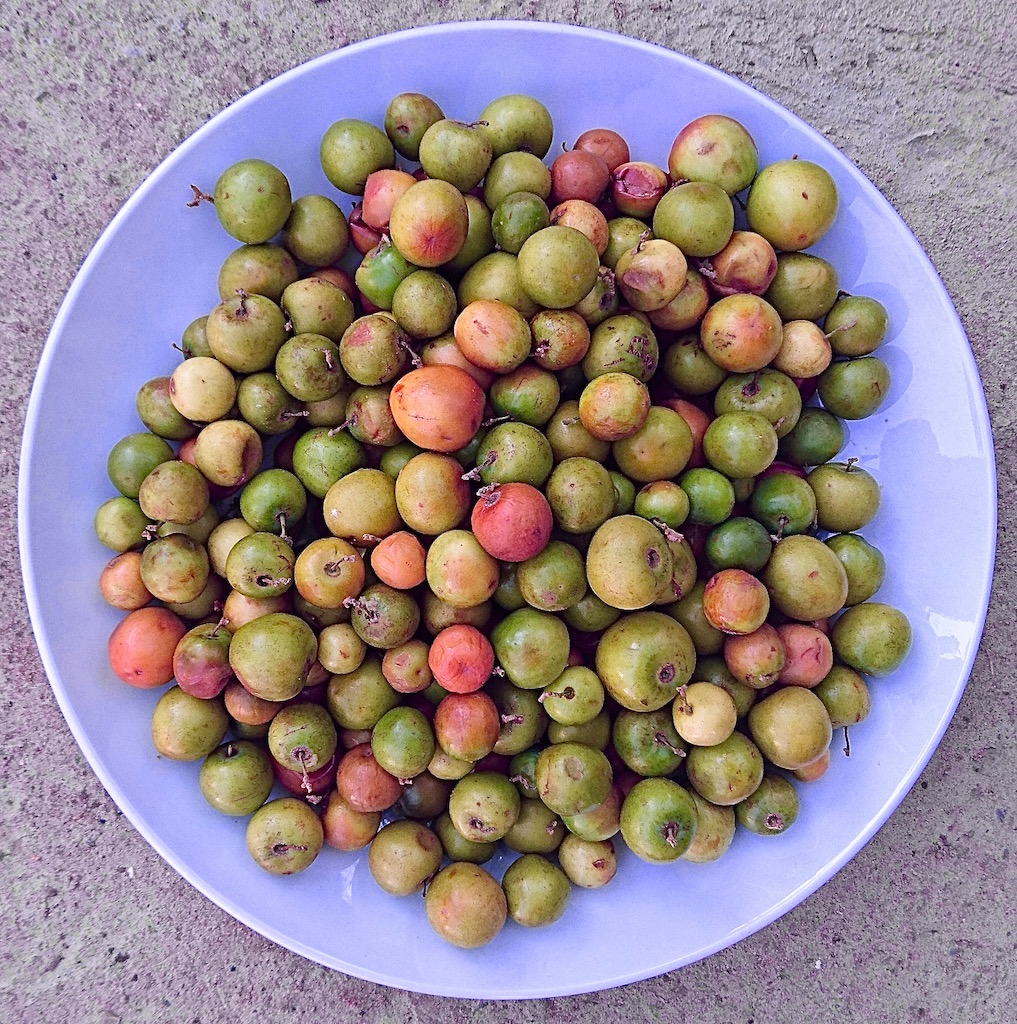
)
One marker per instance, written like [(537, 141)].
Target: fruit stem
[(415, 360), (333, 568), (200, 197), (490, 494), (673, 536), (266, 580), (523, 781), (670, 834), (662, 741), (474, 474)]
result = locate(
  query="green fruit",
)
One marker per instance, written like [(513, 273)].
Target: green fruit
[(285, 836), (264, 269), (483, 806), (132, 458), (532, 647), (805, 579), (350, 150), (272, 655), (236, 779), (845, 695), (316, 232), (863, 563), (518, 122), (847, 496), (727, 772), (187, 728), (715, 829), (643, 658), (252, 200), (771, 809), (403, 856), (572, 777), (658, 820), (856, 325), (872, 637), (628, 563), (537, 891), (792, 203), (302, 737), (740, 444), (805, 287), (791, 727), (407, 117), (696, 216), (854, 388), (557, 266)]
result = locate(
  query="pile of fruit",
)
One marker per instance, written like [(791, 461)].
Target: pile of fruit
[(500, 509)]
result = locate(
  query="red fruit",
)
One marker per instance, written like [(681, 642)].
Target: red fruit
[(512, 521), (437, 407), (340, 278), (381, 190), (429, 222), (313, 783), (201, 663), (585, 217), (493, 335), (347, 828), (806, 386), (578, 174), (362, 235), (809, 654), (636, 188), (282, 457), (398, 560), (741, 332), (698, 421), (782, 467), (363, 784), (444, 351), (121, 584), (746, 264), (493, 763), (142, 644), (466, 725), (605, 143), (734, 601), (461, 658), (757, 658)]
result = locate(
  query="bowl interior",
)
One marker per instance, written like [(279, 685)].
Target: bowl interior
[(154, 270)]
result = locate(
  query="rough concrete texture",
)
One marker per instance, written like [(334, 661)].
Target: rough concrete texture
[(95, 928)]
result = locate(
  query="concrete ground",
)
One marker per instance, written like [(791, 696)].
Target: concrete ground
[(95, 928)]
